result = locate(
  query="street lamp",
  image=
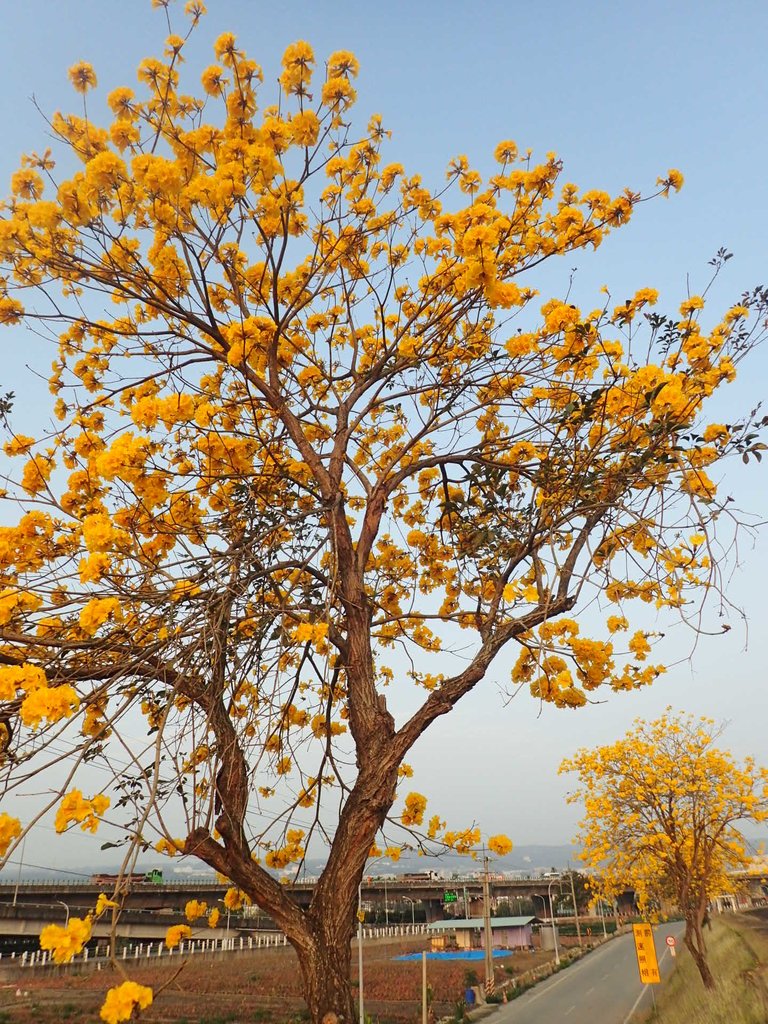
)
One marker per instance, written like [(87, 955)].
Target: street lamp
[(552, 912), (602, 916), (413, 911), (18, 874), (66, 908)]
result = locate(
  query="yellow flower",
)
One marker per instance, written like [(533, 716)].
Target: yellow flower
[(97, 611), (104, 903), (10, 829), (20, 445), (500, 845), (639, 646), (505, 152), (176, 934), (342, 62), (74, 808), (213, 918), (233, 899), (415, 805), (66, 942), (194, 909), (20, 677), (82, 76), (50, 702), (213, 80), (170, 847), (674, 179), (123, 999)]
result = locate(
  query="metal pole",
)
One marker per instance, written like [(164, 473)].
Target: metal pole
[(552, 912), (424, 1008), (386, 905), (413, 909), (602, 917), (18, 873), (489, 980), (575, 908), (360, 916), (66, 907)]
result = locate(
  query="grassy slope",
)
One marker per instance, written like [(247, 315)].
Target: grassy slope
[(738, 947)]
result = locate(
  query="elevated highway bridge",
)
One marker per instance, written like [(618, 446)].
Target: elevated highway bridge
[(398, 893), (150, 908)]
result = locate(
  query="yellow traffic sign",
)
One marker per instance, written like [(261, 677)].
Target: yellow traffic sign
[(647, 963)]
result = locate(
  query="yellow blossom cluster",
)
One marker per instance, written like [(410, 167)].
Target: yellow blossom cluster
[(10, 829), (122, 1000), (291, 852), (176, 934), (500, 845), (413, 813), (195, 909), (76, 808), (40, 701), (66, 942)]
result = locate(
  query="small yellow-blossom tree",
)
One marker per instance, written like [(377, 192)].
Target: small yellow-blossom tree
[(662, 809), (313, 442)]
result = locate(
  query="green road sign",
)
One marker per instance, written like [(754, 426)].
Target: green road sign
[(449, 897)]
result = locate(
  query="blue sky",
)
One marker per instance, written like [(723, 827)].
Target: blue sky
[(621, 92)]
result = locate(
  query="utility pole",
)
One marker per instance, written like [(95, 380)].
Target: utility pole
[(575, 908), (490, 984), (360, 919), (18, 873)]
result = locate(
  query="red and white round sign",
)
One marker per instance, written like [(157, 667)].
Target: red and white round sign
[(670, 940)]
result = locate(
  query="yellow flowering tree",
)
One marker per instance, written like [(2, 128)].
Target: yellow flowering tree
[(662, 810), (315, 436)]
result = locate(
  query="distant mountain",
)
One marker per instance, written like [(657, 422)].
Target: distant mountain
[(532, 859)]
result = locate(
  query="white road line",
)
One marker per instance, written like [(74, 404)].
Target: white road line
[(628, 1018), (571, 1010), (589, 990), (548, 988)]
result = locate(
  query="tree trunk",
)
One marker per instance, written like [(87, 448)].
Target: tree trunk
[(694, 942), (325, 969)]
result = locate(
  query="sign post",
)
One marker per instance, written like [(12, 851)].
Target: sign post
[(670, 940), (647, 964)]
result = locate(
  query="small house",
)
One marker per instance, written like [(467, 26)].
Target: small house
[(506, 932)]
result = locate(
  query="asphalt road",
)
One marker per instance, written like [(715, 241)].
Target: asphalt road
[(603, 988)]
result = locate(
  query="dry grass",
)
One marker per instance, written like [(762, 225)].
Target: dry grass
[(252, 988), (738, 949)]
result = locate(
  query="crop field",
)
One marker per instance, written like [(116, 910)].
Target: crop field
[(261, 987)]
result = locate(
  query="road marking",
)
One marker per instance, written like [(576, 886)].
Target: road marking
[(543, 989), (606, 976), (547, 985), (628, 1018), (589, 990), (571, 1010)]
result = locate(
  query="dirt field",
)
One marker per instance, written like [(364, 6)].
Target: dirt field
[(250, 988)]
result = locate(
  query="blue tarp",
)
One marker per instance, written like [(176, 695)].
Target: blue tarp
[(455, 954)]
